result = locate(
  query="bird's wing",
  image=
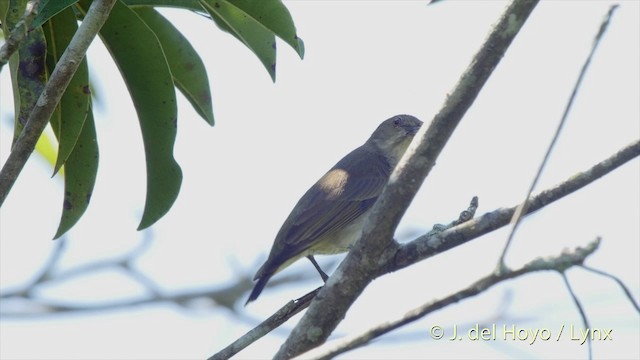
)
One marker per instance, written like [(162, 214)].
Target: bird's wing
[(339, 197)]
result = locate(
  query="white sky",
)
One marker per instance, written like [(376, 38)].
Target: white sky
[(365, 61)]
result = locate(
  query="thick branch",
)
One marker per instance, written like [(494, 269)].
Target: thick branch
[(53, 91), (354, 273)]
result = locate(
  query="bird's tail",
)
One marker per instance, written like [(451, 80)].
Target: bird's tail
[(257, 289)]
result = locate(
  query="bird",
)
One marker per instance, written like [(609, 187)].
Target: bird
[(329, 217)]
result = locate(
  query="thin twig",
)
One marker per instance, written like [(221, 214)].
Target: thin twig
[(583, 315), (616, 279), (39, 307), (278, 318), (33, 306), (48, 268), (522, 208)]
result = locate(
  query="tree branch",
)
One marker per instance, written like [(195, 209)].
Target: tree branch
[(278, 318), (583, 315), (53, 91), (355, 272), (12, 42), (558, 263), (624, 287), (429, 245), (31, 304), (522, 208)]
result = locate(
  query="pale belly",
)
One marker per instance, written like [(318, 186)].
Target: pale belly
[(336, 243)]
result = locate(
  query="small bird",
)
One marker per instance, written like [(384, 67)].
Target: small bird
[(330, 216)]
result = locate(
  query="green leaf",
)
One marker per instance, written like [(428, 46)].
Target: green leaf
[(48, 9), (4, 6), (187, 69), (252, 22), (27, 66), (143, 66), (181, 4), (72, 109), (244, 27), (274, 16), (80, 172)]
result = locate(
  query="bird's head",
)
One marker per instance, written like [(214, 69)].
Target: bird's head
[(393, 136)]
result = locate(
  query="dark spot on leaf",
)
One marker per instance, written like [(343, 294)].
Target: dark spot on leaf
[(189, 66), (273, 67), (37, 49), (216, 5), (89, 196), (67, 193), (31, 68), (273, 45), (67, 204), (86, 89)]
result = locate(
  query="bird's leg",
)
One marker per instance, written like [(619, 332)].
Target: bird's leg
[(315, 264)]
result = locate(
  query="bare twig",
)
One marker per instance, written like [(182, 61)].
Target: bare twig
[(583, 315), (39, 307), (616, 279), (522, 208), (12, 42), (32, 304), (280, 317), (559, 263), (53, 91), (49, 266)]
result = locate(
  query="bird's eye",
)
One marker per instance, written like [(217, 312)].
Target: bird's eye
[(396, 122)]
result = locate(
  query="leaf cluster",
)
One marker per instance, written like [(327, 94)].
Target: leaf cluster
[(154, 59)]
